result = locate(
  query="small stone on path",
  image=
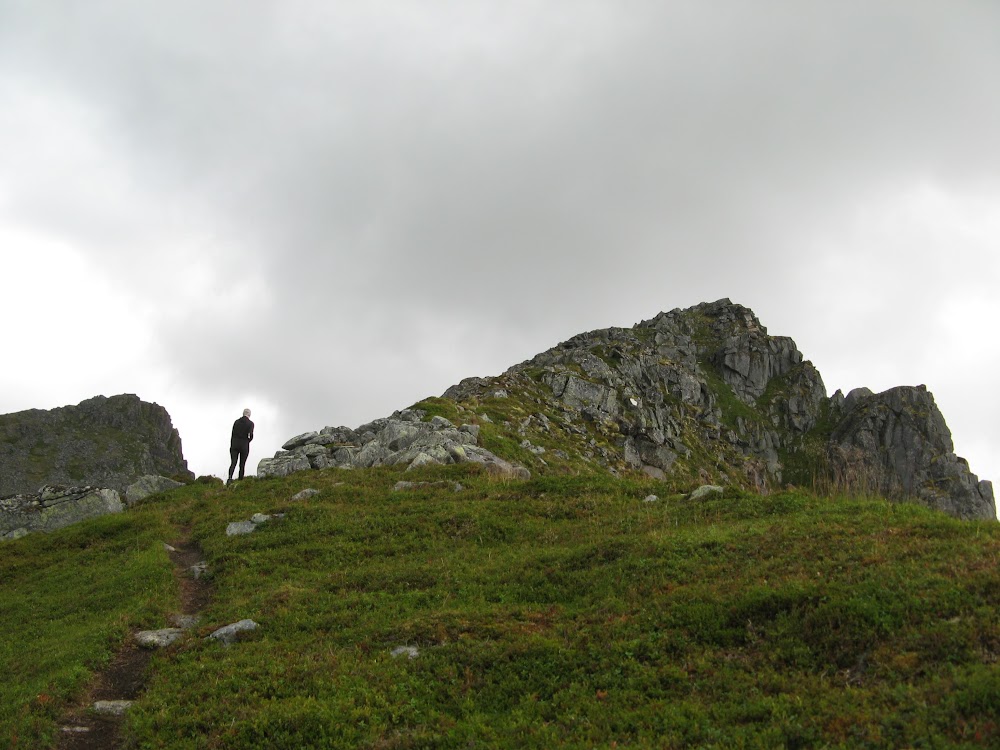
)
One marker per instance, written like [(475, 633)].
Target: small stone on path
[(240, 527), (248, 527), (158, 638), (229, 633), (112, 708), (184, 622)]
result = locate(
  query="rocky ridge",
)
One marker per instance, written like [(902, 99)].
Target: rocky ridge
[(103, 442), (702, 395)]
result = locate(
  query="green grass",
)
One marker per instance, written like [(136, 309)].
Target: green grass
[(439, 407), (68, 601), (560, 612)]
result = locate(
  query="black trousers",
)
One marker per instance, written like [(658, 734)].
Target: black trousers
[(238, 450)]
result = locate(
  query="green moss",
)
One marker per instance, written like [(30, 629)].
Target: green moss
[(778, 387), (807, 464), (732, 407), (612, 358), (76, 470), (503, 444), (535, 373), (500, 410), (70, 600), (702, 332), (645, 334), (439, 407)]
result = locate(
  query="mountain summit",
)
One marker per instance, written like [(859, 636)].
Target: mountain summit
[(691, 396)]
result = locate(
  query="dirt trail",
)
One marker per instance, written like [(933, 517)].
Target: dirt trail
[(125, 677)]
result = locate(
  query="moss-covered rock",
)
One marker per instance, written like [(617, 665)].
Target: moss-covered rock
[(104, 442), (54, 507)]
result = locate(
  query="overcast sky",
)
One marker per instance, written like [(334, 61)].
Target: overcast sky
[(326, 211)]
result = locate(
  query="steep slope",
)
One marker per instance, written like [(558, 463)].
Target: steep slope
[(696, 395), (105, 442)]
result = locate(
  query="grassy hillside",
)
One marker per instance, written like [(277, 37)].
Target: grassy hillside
[(557, 612)]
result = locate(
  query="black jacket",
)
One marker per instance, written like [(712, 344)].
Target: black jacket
[(242, 430)]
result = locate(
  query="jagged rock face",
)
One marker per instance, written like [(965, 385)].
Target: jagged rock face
[(897, 443), (105, 442), (690, 391), (705, 393)]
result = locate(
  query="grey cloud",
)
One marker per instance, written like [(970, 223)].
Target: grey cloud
[(678, 118)]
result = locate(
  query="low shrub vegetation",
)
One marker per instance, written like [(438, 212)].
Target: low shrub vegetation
[(69, 599), (564, 611)]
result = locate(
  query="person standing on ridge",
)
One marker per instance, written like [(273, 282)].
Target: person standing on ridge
[(239, 446)]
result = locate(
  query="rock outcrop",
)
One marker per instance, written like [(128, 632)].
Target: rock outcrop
[(697, 396), (103, 442), (148, 485), (706, 394), (54, 507), (402, 439), (897, 443)]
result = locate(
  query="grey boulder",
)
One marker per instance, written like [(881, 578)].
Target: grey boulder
[(230, 633), (705, 492), (54, 507), (148, 485), (283, 465), (158, 638)]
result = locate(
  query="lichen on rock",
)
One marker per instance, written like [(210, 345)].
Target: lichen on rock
[(54, 507)]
